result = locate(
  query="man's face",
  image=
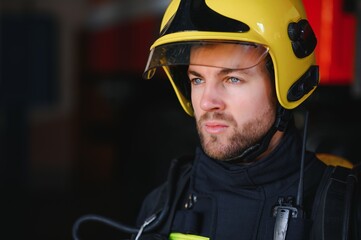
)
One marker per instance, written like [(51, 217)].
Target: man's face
[(233, 108)]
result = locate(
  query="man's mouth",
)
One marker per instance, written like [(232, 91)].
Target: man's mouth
[(215, 128)]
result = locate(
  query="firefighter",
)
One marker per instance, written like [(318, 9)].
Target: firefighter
[(240, 68)]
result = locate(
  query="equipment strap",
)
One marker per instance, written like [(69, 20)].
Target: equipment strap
[(332, 208)]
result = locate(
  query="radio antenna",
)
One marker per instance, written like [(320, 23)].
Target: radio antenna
[(299, 200)]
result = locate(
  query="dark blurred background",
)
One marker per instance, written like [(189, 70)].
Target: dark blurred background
[(80, 130)]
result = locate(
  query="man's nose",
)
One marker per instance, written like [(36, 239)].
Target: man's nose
[(212, 97)]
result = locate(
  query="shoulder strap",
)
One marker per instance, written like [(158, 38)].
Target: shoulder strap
[(179, 167), (167, 199), (332, 205), (183, 176)]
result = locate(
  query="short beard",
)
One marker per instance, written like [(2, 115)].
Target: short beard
[(241, 140)]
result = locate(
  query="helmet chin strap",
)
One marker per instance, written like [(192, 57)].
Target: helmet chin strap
[(281, 122)]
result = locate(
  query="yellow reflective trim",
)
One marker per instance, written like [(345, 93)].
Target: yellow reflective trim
[(182, 236), (333, 160)]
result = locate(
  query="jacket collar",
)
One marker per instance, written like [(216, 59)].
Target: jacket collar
[(281, 163)]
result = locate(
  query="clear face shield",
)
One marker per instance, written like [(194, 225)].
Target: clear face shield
[(246, 55), (175, 58)]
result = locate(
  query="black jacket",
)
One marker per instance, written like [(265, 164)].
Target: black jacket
[(227, 201)]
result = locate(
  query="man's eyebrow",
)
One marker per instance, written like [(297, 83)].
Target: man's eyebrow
[(228, 70), (222, 71), (195, 73)]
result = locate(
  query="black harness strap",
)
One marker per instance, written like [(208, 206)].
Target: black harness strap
[(332, 208), (181, 175)]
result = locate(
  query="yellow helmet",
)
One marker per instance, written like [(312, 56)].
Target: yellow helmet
[(279, 27)]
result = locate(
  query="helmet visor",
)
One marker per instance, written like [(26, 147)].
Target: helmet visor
[(201, 53)]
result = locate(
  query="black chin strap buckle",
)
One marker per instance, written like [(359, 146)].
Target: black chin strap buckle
[(283, 118)]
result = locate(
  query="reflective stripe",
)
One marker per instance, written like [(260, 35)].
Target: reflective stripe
[(181, 236)]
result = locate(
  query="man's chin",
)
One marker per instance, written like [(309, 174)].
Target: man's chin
[(213, 151)]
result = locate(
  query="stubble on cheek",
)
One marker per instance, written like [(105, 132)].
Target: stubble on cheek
[(234, 141)]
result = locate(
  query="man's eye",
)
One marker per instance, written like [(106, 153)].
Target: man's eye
[(196, 81), (233, 80)]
